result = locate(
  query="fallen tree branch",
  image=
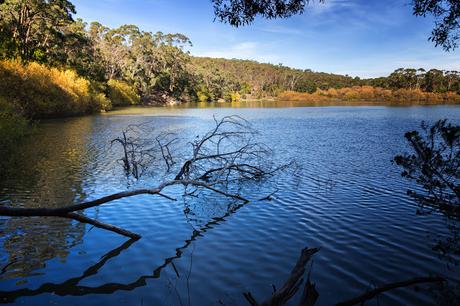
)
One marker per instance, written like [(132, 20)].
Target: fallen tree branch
[(109, 227), (62, 211), (227, 154), (310, 295), (387, 287), (292, 285)]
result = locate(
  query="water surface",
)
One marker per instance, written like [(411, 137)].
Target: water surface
[(346, 197)]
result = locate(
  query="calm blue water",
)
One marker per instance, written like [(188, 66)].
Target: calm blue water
[(346, 197)]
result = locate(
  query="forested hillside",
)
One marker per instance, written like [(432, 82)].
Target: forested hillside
[(59, 66), (258, 80)]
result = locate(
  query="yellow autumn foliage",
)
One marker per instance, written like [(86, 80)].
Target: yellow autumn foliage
[(38, 91), (122, 94)]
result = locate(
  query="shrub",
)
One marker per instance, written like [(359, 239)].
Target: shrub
[(235, 96), (42, 92), (203, 94), (122, 94), (232, 96)]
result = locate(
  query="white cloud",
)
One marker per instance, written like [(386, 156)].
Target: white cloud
[(244, 50), (317, 7)]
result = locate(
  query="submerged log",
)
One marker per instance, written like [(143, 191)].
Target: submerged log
[(387, 287), (310, 295), (292, 285)]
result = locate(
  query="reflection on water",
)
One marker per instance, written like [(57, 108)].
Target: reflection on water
[(31, 242), (71, 286), (47, 173), (346, 197)]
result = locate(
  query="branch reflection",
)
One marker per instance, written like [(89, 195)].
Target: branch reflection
[(71, 288)]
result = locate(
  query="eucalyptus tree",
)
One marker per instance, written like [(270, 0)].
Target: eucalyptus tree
[(434, 81), (31, 29), (114, 47), (158, 63), (79, 51), (151, 62), (452, 80)]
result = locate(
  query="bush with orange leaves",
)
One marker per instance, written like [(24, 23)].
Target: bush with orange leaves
[(372, 94)]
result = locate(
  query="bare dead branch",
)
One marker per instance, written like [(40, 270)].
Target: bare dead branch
[(228, 154), (62, 211), (310, 295), (109, 227)]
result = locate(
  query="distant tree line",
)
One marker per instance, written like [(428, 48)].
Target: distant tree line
[(128, 65), (434, 80)]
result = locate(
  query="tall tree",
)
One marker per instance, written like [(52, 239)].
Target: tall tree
[(34, 27)]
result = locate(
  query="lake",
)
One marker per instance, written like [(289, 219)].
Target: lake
[(345, 197)]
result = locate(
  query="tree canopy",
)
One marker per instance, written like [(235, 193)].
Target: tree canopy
[(33, 29), (242, 12), (447, 25)]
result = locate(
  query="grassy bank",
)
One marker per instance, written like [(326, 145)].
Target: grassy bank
[(370, 94)]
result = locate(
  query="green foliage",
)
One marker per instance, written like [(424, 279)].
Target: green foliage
[(122, 94), (242, 12), (153, 62), (33, 28), (232, 96), (156, 68), (434, 164), (203, 94), (434, 80), (257, 80), (446, 14)]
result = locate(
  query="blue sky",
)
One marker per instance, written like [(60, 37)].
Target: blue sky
[(365, 38)]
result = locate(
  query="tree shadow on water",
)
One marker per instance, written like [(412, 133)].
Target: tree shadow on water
[(71, 286)]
